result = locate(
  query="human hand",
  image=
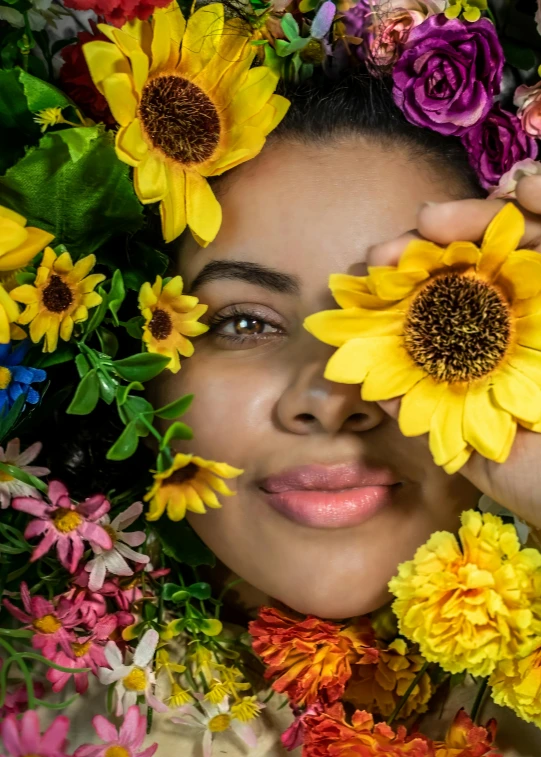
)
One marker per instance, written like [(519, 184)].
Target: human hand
[(516, 484)]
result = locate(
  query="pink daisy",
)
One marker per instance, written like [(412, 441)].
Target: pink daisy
[(52, 626), (16, 698), (22, 737), (65, 524), (12, 487), (126, 741), (85, 652)]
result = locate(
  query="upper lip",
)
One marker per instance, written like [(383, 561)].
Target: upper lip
[(328, 478)]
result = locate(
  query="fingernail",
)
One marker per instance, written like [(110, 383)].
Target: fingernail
[(428, 205)]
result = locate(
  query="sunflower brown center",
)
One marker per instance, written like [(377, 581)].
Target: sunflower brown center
[(179, 119), (160, 325), (57, 295), (183, 474), (458, 328)]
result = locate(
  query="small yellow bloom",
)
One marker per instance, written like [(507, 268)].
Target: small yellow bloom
[(170, 317), (179, 696), (204, 661), (19, 243), (455, 332), (471, 9), (188, 485), (246, 709), (517, 684), (472, 604), (60, 297), (49, 117), (218, 690)]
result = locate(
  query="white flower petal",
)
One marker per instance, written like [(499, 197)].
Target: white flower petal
[(245, 732), (113, 655), (130, 554), (128, 516), (29, 454), (133, 538), (13, 451), (115, 563), (97, 573), (146, 648), (207, 744)]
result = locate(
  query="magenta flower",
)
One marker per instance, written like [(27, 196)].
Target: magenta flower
[(65, 524), (22, 737), (16, 698), (126, 741), (85, 652), (293, 736), (52, 626), (11, 487)]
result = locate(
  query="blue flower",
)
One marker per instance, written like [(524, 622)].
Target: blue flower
[(17, 379)]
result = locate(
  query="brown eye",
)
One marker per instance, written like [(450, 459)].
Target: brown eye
[(248, 326)]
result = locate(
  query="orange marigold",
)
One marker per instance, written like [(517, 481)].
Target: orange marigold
[(311, 657), (329, 735), (464, 739)]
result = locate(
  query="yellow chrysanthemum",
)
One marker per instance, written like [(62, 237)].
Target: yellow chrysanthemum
[(457, 331), (170, 317), (517, 684), (189, 484), (189, 107), (470, 605), (379, 687), (61, 296)]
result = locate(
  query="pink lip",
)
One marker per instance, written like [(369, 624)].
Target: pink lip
[(330, 496)]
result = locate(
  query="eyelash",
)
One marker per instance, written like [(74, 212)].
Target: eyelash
[(234, 314)]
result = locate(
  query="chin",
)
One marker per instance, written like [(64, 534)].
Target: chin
[(335, 603)]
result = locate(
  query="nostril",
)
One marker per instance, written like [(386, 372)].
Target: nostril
[(356, 418), (306, 418)]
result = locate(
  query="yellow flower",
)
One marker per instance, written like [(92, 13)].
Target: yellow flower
[(218, 690), (61, 295), (455, 330), (188, 485), (517, 684), (471, 9), (470, 605), (179, 696), (246, 709), (188, 105), (170, 317), (379, 687), (19, 243)]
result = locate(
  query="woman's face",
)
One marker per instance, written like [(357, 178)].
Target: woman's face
[(333, 497)]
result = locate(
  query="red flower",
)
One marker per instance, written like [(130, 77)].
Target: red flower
[(77, 82), (312, 657), (464, 739), (117, 12)]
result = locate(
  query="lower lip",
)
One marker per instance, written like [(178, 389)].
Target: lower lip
[(331, 509)]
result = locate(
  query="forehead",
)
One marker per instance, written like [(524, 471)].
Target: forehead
[(312, 210)]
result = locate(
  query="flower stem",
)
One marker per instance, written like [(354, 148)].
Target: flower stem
[(407, 693), (479, 699)]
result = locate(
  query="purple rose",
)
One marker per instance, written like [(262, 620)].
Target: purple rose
[(448, 74), (496, 144)]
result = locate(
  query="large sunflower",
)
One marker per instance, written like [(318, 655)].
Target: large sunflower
[(455, 331), (189, 107)]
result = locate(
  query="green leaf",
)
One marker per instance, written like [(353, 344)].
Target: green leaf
[(117, 294), (518, 55), (180, 596), (149, 611), (123, 391), (108, 386), (98, 313), (108, 341), (282, 48), (296, 45), (132, 409), (174, 409), (134, 327), (141, 367), (63, 354), (86, 395), (8, 420), (180, 542), (40, 94), (82, 365), (26, 478), (290, 27), (125, 445), (176, 430), (17, 127), (168, 590), (211, 626), (200, 590)]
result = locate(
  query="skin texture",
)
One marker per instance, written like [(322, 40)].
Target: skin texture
[(262, 403)]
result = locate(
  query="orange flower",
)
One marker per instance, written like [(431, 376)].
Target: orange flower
[(329, 735), (312, 657), (464, 739)]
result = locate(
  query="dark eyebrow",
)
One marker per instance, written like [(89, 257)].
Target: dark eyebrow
[(253, 273)]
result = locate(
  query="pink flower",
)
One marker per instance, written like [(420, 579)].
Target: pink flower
[(293, 737), (508, 183), (65, 524), (528, 101), (16, 699), (94, 605), (126, 741), (52, 626), (85, 652), (22, 737), (12, 487), (113, 560)]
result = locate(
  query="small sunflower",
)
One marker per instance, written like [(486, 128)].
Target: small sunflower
[(456, 332), (189, 107), (170, 317), (188, 485), (60, 296)]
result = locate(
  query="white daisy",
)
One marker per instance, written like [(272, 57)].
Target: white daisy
[(135, 680), (112, 560), (214, 719), (11, 487)]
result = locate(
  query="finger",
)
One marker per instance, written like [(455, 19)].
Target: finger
[(391, 407), (388, 253), (528, 193)]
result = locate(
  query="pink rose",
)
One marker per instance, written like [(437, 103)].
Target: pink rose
[(508, 183), (528, 101)]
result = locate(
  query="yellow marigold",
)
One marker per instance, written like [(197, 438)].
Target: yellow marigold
[(456, 332), (170, 317), (19, 243), (188, 485), (189, 107), (517, 684), (379, 687), (471, 604), (61, 296)]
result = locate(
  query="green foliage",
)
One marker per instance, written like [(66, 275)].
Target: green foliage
[(17, 127), (180, 542), (141, 367)]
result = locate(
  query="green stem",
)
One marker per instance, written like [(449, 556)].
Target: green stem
[(150, 427), (479, 699), (404, 699), (24, 670)]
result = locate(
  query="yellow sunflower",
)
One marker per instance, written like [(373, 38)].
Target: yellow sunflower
[(170, 317), (189, 484), (189, 107), (19, 243), (60, 296), (455, 331)]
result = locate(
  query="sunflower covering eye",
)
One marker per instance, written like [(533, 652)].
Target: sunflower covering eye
[(189, 107), (455, 332)]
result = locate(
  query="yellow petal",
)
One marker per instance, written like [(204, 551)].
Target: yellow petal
[(35, 241), (173, 206), (104, 59), (508, 444), (39, 326), (421, 255), (161, 42), (130, 145), (201, 38), (82, 268), (176, 507), (5, 330), (206, 494), (486, 426), (392, 284), (92, 300), (119, 94), (66, 328), (203, 211), (90, 282), (529, 306), (458, 462), (446, 439), (528, 331), (335, 327), (521, 275), (461, 253), (516, 393), (12, 235), (175, 28), (256, 91), (528, 361), (419, 405), (193, 500), (391, 376), (281, 106), (149, 179), (17, 332), (233, 50), (502, 236), (351, 362), (29, 313), (12, 216), (6, 300), (64, 264), (352, 292)]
